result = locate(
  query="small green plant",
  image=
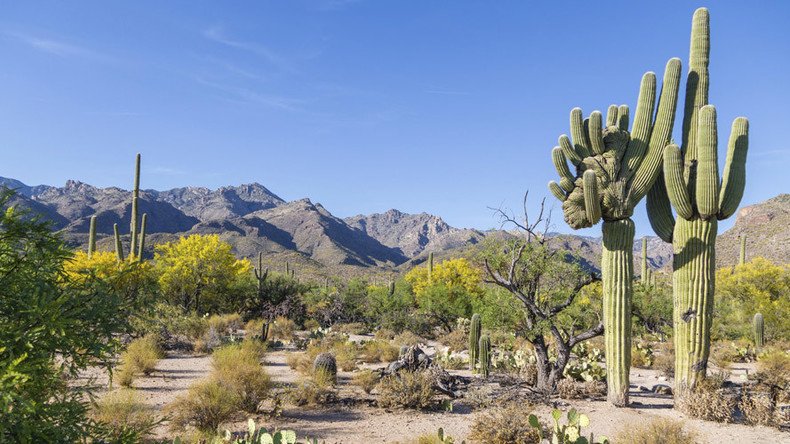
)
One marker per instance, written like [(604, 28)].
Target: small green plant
[(206, 405), (406, 389), (261, 436), (474, 341), (318, 389), (642, 355), (141, 356), (238, 367), (123, 417), (570, 433)]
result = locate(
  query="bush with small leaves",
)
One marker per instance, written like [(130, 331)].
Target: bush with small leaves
[(205, 406), (657, 431), (664, 360), (505, 425), (379, 351), (316, 390), (123, 417), (140, 356), (408, 338), (457, 340), (238, 367), (282, 329), (406, 389), (758, 408), (709, 401)]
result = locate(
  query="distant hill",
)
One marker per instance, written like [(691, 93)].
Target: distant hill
[(253, 219)]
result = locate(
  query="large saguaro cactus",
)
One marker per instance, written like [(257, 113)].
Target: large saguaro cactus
[(691, 183), (136, 231), (615, 168)]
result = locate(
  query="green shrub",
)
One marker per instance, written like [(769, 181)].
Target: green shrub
[(318, 389), (379, 351), (408, 338), (657, 431), (225, 324), (123, 417), (457, 340), (406, 389), (282, 329), (238, 368), (206, 405), (505, 425), (141, 356)]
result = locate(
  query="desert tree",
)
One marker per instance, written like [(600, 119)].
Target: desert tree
[(548, 283)]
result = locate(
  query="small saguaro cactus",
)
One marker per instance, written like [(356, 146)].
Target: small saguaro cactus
[(92, 237), (691, 184), (485, 355), (742, 259), (260, 276), (759, 330), (474, 340), (391, 289), (614, 170), (118, 245)]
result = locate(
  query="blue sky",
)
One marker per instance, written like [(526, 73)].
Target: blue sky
[(443, 107)]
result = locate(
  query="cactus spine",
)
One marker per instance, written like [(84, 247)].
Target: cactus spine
[(485, 355), (92, 237), (759, 330), (645, 277), (742, 259), (691, 184), (474, 340), (615, 169)]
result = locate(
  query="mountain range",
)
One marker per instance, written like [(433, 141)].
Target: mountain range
[(253, 219)]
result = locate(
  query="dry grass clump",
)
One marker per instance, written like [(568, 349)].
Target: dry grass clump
[(210, 341), (379, 351), (311, 325), (366, 380), (122, 415), (457, 340), (282, 329), (505, 425), (406, 389), (315, 390), (408, 338), (352, 328), (385, 334), (345, 355), (709, 401), (658, 431), (301, 362), (664, 359), (569, 389), (225, 324), (253, 328), (206, 405), (773, 368), (758, 408), (238, 367), (140, 356)]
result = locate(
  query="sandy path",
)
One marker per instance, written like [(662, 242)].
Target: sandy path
[(362, 423)]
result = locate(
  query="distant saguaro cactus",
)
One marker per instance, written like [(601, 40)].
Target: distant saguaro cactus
[(691, 184), (260, 276), (742, 259), (474, 340), (759, 330), (92, 237), (645, 277), (430, 266)]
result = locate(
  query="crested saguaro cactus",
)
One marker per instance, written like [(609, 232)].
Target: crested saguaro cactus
[(691, 184), (474, 340), (614, 169), (759, 330)]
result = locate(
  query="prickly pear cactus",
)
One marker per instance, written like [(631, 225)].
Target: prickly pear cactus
[(613, 169)]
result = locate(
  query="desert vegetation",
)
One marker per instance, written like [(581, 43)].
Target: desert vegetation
[(517, 340)]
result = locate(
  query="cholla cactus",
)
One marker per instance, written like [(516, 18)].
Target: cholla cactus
[(691, 183), (614, 169)]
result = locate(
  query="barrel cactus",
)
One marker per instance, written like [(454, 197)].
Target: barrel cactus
[(474, 340), (485, 355), (690, 182), (326, 362), (614, 170), (759, 330)]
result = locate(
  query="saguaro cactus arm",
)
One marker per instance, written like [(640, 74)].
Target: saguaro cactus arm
[(118, 245), (707, 185), (141, 246), (659, 210), (92, 237), (592, 200), (734, 177)]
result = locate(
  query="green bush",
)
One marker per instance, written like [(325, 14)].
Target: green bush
[(366, 380), (141, 356), (238, 368), (318, 389), (206, 405)]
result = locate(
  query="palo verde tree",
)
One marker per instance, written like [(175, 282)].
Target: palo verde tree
[(614, 168), (691, 183), (548, 287)]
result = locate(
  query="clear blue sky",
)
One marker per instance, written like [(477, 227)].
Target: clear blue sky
[(443, 107)]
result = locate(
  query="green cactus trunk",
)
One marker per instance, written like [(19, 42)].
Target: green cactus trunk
[(693, 283), (92, 237), (474, 340), (133, 223), (118, 245), (617, 269), (759, 331), (141, 247), (742, 259), (485, 355), (430, 267)]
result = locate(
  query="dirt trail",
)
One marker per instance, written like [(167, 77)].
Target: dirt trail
[(362, 423)]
